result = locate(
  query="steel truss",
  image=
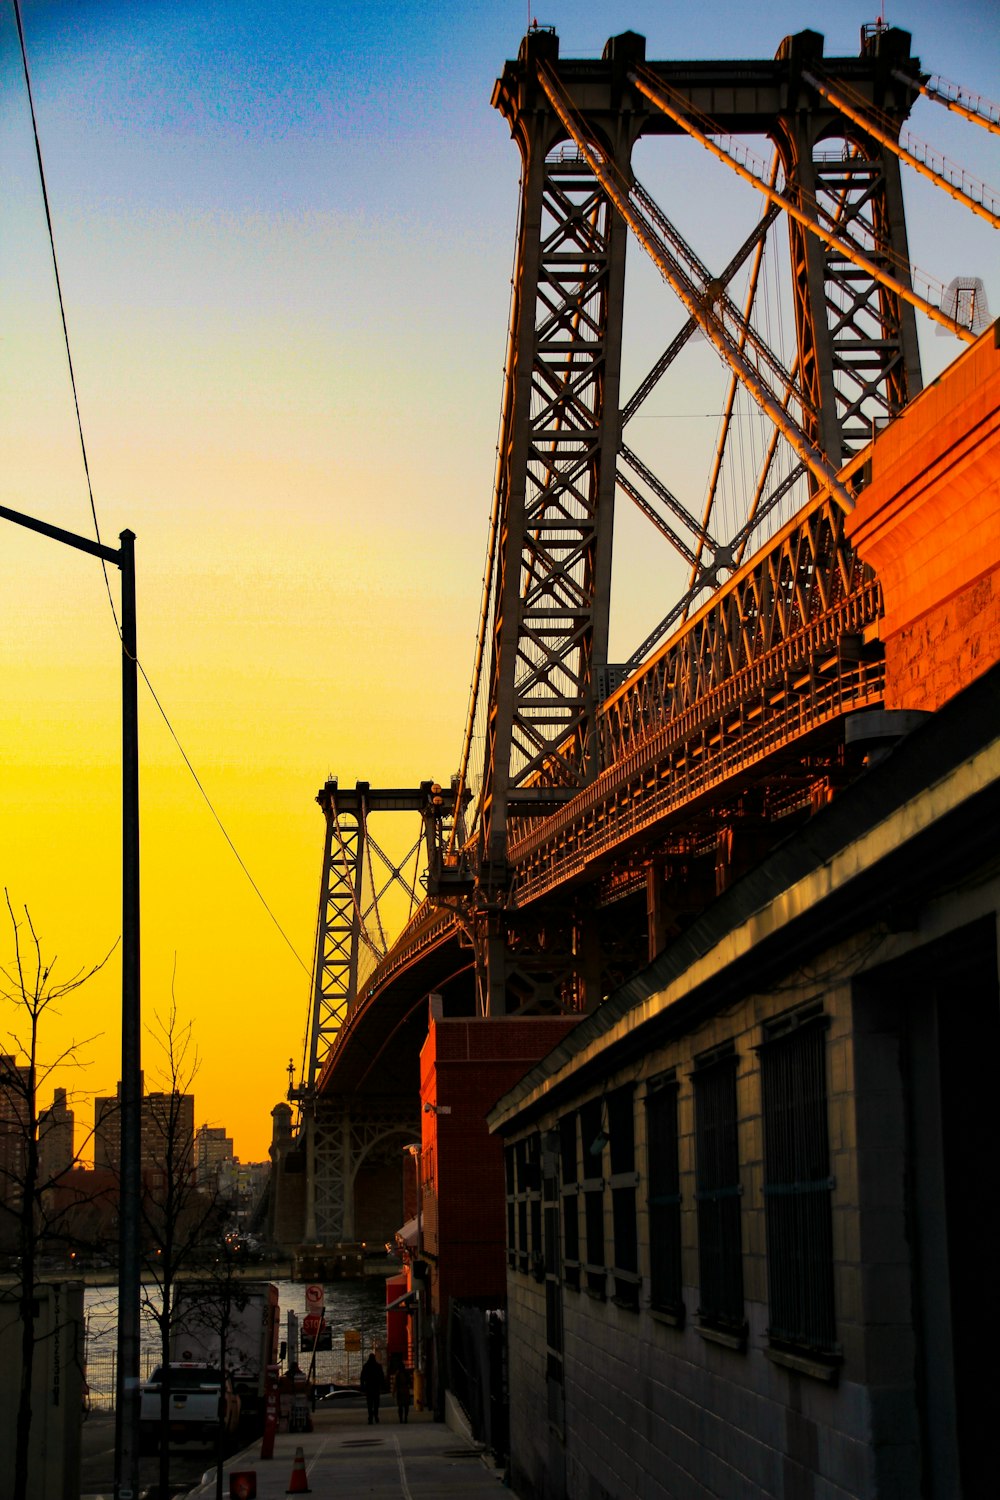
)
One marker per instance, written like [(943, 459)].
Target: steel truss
[(558, 472), (777, 654), (561, 452), (758, 673), (344, 1137), (350, 929)]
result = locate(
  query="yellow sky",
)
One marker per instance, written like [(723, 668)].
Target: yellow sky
[(285, 247)]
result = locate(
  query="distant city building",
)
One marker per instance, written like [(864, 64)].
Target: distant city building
[(251, 1185), (167, 1128), (55, 1138), (14, 1083), (215, 1167)]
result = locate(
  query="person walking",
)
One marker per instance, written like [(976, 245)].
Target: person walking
[(372, 1382), (403, 1393)]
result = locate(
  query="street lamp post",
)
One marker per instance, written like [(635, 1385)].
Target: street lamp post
[(127, 1382)]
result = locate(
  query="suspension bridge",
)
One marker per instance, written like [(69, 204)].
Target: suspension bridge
[(600, 805)]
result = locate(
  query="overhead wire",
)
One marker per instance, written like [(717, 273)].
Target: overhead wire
[(59, 293), (93, 507)]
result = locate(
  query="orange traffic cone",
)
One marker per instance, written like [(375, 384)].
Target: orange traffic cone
[(299, 1483)]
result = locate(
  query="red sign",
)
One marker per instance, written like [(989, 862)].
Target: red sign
[(312, 1324), (270, 1412)]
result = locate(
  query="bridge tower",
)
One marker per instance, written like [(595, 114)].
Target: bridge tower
[(562, 453), (348, 1148)]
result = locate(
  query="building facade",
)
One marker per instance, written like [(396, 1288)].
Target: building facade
[(14, 1115), (750, 1232), (55, 1139), (167, 1124), (748, 1251), (215, 1165)]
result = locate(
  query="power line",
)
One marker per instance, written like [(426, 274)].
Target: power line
[(59, 293), (225, 834)]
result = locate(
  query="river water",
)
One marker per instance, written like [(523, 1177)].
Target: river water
[(350, 1305)]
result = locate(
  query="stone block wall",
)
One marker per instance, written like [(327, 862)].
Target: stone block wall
[(656, 1410), (929, 524)]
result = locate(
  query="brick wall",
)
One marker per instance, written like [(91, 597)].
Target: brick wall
[(465, 1066)]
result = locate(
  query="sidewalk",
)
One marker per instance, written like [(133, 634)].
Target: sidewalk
[(346, 1459)]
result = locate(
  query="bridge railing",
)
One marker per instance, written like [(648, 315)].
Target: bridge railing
[(428, 925), (793, 602), (779, 651)]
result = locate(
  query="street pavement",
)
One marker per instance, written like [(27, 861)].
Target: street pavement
[(346, 1458)]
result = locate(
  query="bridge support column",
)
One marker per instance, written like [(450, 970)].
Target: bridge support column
[(358, 1167), (862, 362), (561, 429), (309, 1146), (587, 948), (349, 1167)]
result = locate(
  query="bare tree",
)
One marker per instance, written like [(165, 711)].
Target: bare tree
[(29, 987), (213, 1308), (177, 1216)]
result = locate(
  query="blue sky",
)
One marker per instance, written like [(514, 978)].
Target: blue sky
[(286, 235)]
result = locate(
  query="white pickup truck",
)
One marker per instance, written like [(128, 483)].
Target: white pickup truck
[(193, 1405)]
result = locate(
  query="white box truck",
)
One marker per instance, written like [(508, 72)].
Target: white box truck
[(251, 1335)]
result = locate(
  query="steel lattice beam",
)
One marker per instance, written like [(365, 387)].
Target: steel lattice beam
[(342, 924), (770, 660)]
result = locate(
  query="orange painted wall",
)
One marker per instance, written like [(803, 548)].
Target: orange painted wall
[(929, 524)]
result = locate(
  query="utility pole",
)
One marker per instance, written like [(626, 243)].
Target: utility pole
[(127, 1382)]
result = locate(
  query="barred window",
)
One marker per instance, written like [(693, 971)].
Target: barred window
[(570, 1196), (720, 1249), (553, 1288), (664, 1200), (621, 1144), (524, 1205), (797, 1184), (593, 1140)]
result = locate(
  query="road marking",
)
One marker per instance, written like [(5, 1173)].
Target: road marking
[(402, 1472), (312, 1462)]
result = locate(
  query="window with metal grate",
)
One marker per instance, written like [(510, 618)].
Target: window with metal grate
[(664, 1196), (624, 1181), (797, 1183), (718, 1192)]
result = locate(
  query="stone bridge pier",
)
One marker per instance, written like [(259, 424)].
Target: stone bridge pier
[(345, 1178)]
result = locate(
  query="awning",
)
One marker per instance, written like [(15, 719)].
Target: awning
[(408, 1234)]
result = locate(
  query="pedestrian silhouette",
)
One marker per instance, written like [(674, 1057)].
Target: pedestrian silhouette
[(403, 1393), (372, 1383)]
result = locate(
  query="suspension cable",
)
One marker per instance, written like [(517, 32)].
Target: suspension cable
[(953, 96), (491, 541), (727, 416), (657, 93), (851, 104), (697, 303)]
